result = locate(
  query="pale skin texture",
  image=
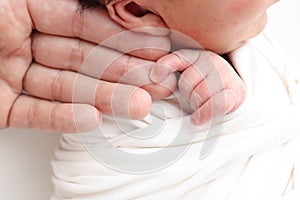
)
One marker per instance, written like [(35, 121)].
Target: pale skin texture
[(207, 81), (63, 38), (219, 27)]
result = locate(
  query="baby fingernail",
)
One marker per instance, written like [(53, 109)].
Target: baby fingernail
[(153, 76), (157, 74)]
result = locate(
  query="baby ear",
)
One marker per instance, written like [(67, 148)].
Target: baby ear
[(133, 16)]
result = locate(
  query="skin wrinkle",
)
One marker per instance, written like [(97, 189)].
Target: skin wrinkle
[(78, 24), (32, 113), (77, 56), (16, 51), (29, 14), (25, 73), (201, 83), (53, 117), (9, 13), (8, 123), (17, 90), (57, 85), (14, 21)]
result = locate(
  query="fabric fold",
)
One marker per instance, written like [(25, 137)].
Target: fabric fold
[(255, 151)]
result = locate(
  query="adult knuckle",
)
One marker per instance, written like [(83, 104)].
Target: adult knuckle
[(57, 85), (78, 24), (77, 56)]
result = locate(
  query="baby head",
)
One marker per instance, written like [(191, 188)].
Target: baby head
[(217, 25)]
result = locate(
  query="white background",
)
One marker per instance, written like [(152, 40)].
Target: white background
[(25, 155)]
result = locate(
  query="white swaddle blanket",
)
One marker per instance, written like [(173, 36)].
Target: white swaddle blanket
[(257, 155)]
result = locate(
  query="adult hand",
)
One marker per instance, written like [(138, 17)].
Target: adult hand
[(49, 103)]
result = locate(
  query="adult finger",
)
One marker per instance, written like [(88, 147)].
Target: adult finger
[(98, 62), (61, 52), (81, 56), (70, 87), (29, 112), (64, 18)]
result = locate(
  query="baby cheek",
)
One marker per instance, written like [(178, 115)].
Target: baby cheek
[(239, 6), (248, 9)]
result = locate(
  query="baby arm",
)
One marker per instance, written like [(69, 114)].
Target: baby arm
[(207, 81)]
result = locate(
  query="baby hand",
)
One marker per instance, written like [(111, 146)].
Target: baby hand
[(208, 82)]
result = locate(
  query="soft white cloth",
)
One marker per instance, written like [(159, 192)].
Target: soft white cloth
[(257, 155)]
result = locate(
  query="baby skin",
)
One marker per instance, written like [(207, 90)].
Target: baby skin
[(209, 83)]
